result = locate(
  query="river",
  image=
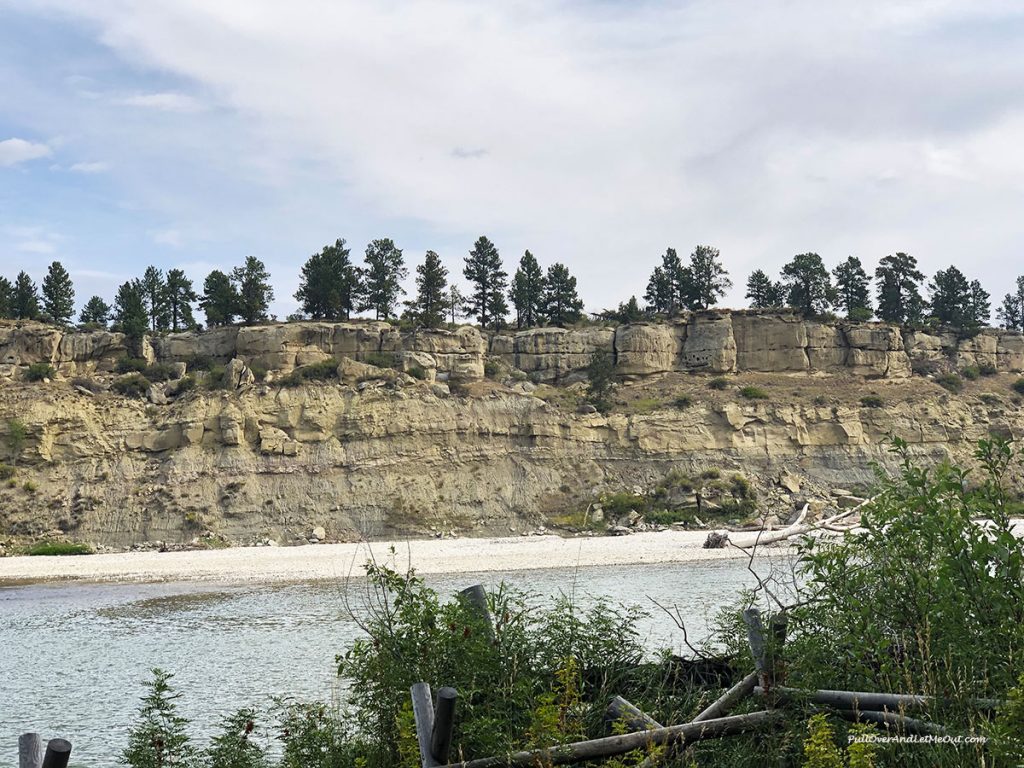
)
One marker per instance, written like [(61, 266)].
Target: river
[(74, 654)]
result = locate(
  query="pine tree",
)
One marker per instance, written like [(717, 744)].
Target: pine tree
[(562, 305), (1011, 313), (154, 296), (252, 283), (808, 286), (58, 294), (330, 286), (160, 736), (627, 312), (708, 279), (950, 296), (763, 292), (429, 306), (96, 312), (853, 289), (130, 314), (382, 278), (6, 298), (897, 283), (527, 292), (979, 306), (26, 298), (180, 295), (484, 270), (455, 302), (219, 300), (670, 285)]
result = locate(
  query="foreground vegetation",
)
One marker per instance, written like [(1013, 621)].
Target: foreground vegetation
[(926, 597)]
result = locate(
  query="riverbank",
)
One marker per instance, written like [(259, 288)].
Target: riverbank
[(333, 561)]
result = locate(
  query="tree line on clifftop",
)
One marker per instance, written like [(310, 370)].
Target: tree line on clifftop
[(333, 287)]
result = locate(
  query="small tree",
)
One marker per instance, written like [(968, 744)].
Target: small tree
[(562, 305), (382, 278), (154, 297), (219, 300), (950, 295), (455, 302), (808, 286), (252, 283), (763, 292), (897, 282), (130, 315), (58, 294), (429, 306), (6, 298), (708, 279), (484, 270), (180, 295), (979, 306), (601, 382), (235, 746), (527, 292), (669, 285), (1011, 312), (95, 312), (627, 312), (159, 737), (26, 298), (17, 435), (330, 286), (853, 289)]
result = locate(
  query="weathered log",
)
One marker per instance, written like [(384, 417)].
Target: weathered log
[(866, 701), (444, 717), (632, 717), (729, 699), (892, 721), (680, 735), (423, 715), (58, 753), (756, 641), (797, 528), (476, 599), (30, 750)]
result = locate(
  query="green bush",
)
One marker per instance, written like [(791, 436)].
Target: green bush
[(872, 401), (50, 548), (970, 372), (987, 369), (186, 384), (492, 369), (159, 372), (216, 377), (682, 402), (132, 385), (6, 471), (417, 372), (719, 383), (199, 363), (40, 371), (753, 393), (601, 383), (130, 365), (259, 371), (1018, 386), (322, 371), (379, 359), (950, 382), (990, 399)]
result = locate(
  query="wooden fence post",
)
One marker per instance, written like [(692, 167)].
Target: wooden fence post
[(30, 750), (755, 637), (423, 714), (476, 598), (444, 718), (58, 752)]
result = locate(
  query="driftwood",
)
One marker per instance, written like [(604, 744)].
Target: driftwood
[(729, 699), (892, 721), (610, 746), (865, 701)]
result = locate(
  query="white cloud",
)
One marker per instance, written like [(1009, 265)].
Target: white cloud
[(14, 151), (165, 102), (93, 167), (31, 239), (170, 237)]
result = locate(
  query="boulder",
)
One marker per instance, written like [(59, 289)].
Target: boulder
[(352, 372), (276, 441), (238, 375), (645, 348), (422, 365), (709, 344)]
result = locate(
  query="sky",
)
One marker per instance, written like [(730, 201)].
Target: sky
[(195, 133)]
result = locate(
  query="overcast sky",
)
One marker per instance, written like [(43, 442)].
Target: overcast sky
[(193, 133)]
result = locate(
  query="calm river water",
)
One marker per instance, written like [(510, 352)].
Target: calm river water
[(72, 656)]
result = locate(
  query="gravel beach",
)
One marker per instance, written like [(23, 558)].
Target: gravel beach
[(331, 561)]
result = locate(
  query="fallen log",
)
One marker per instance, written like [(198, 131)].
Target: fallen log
[(893, 721), (729, 699), (677, 735), (866, 701)]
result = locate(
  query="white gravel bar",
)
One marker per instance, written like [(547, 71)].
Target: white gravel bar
[(332, 561)]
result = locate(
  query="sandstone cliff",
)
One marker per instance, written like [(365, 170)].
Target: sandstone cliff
[(379, 453)]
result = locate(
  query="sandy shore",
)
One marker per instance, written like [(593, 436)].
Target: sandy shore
[(330, 561)]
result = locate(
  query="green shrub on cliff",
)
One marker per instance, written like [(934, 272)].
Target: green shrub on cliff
[(40, 371), (322, 371), (753, 393), (132, 385), (128, 364), (950, 382)]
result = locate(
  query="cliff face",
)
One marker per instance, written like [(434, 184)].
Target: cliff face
[(713, 342), (379, 453)]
